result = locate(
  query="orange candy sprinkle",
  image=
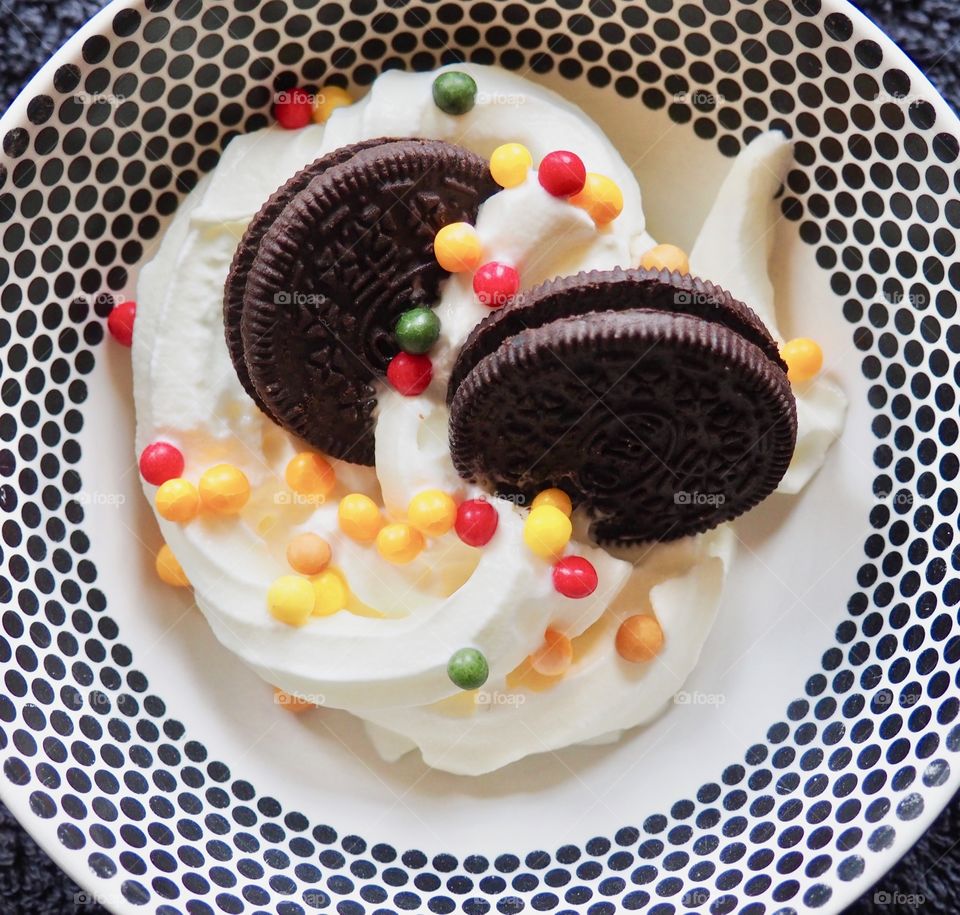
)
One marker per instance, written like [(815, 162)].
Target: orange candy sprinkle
[(554, 656), (639, 638), (308, 554)]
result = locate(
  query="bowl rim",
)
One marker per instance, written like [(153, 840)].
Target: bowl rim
[(43, 832)]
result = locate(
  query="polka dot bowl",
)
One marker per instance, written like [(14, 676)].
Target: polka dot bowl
[(819, 735)]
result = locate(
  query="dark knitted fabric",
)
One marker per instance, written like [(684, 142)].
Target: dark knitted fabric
[(928, 30)]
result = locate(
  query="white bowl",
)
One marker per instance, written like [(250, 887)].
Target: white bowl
[(819, 734)]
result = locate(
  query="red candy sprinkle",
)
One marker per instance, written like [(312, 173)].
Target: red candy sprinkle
[(120, 322), (159, 462), (476, 522), (562, 173), (409, 374), (574, 576), (294, 109), (495, 284)]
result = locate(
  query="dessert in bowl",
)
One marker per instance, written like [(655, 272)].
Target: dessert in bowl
[(811, 738), (450, 424)]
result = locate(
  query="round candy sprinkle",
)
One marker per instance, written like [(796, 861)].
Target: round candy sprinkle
[(495, 284), (562, 173), (309, 474), (457, 247), (554, 657), (432, 512), (293, 109), (399, 543), (804, 359), (410, 375), (178, 500), (666, 257), (476, 522), (292, 702), (169, 569), (224, 489), (574, 576), (555, 497), (327, 100), (468, 668), (290, 599), (601, 198), (308, 554), (639, 638), (510, 164), (454, 92), (120, 322), (417, 330), (159, 462), (359, 517), (547, 531), (330, 592)]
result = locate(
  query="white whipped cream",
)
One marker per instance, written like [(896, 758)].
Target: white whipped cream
[(386, 660)]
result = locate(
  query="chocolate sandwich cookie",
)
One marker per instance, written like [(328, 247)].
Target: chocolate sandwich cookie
[(660, 423), (348, 254), (243, 258), (611, 290)]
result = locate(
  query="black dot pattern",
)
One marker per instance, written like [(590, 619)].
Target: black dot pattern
[(101, 151)]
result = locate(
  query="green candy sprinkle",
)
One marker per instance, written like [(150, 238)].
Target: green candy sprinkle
[(468, 669), (454, 92), (417, 330)]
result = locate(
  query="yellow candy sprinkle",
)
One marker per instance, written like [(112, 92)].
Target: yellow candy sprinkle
[(547, 531), (432, 512), (310, 474), (169, 569), (291, 600), (327, 100), (308, 554), (457, 247), (555, 497), (804, 359), (359, 517), (510, 164), (399, 543), (331, 593), (601, 198), (224, 489), (178, 500), (666, 257)]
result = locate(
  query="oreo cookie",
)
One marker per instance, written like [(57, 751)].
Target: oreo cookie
[(243, 258), (348, 252), (657, 402), (611, 290)]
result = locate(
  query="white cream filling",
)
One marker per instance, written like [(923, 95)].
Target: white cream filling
[(499, 599)]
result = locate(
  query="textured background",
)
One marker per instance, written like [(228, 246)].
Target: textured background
[(928, 30)]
